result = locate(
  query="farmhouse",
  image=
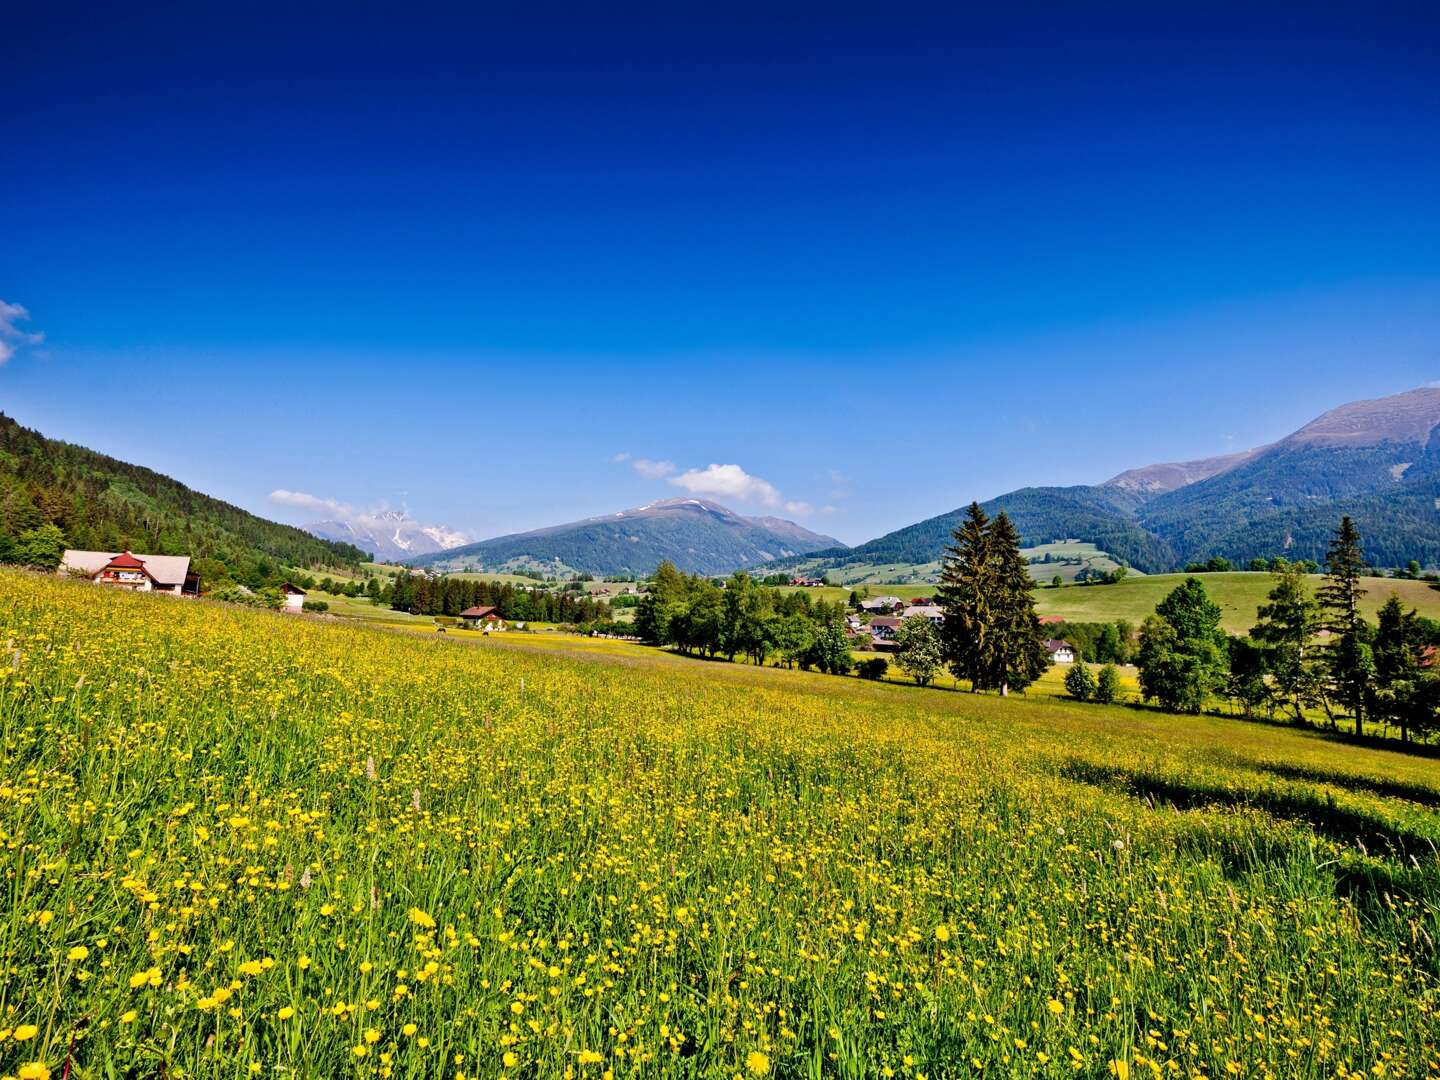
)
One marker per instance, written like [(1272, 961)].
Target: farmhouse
[(292, 597), (139, 573), (877, 604), (482, 618), (1061, 652), (933, 612), (884, 627), (807, 582)]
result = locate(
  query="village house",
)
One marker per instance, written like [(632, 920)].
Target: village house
[(292, 598), (807, 582), (877, 604), (1061, 652), (139, 573), (933, 612), (482, 618), (885, 627)]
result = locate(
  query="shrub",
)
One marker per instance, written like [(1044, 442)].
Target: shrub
[(1079, 683), (1107, 689), (874, 668)]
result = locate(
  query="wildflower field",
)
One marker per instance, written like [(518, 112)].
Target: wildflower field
[(236, 843)]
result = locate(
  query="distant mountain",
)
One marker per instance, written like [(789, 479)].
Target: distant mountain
[(103, 504), (390, 535), (1158, 479), (1378, 461), (696, 535)]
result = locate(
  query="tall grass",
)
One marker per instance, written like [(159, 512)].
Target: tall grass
[(237, 843)]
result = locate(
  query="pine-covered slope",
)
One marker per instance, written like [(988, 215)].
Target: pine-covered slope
[(104, 504)]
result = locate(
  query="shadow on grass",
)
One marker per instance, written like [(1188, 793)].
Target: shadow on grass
[(1393, 789), (1318, 809)]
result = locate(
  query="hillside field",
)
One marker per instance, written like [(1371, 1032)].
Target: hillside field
[(1238, 594), (240, 843)]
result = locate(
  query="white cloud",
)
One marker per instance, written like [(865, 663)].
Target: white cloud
[(11, 336), (311, 502), (733, 482), (652, 470)]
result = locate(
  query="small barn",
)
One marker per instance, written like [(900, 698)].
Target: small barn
[(292, 597), (482, 618)]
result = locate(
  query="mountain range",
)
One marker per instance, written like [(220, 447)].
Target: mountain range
[(1378, 461), (390, 535), (697, 535)]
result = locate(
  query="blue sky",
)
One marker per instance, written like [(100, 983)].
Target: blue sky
[(480, 268)]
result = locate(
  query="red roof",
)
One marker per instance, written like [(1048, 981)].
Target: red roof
[(1046, 620), (125, 561), (476, 612)]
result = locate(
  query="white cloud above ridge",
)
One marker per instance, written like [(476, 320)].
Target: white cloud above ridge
[(306, 501), (733, 482), (12, 338)]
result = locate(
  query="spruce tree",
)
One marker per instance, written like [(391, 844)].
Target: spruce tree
[(1287, 627), (966, 592), (1351, 666), (1018, 656), (1402, 696)]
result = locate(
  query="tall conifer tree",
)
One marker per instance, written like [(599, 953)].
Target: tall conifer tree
[(1352, 668), (1018, 655), (966, 592), (991, 632)]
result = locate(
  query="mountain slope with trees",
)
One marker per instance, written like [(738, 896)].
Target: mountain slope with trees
[(79, 498), (1375, 461)]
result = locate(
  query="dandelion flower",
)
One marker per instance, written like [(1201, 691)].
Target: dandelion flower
[(25, 1032), (78, 953), (756, 1063), (421, 918), (36, 1070), (285, 1013)]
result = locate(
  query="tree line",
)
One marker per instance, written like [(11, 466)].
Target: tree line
[(451, 595), (697, 616), (1306, 653)]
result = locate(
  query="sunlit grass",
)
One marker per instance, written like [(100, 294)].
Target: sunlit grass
[(242, 842)]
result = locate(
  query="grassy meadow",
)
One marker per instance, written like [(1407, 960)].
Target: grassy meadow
[(1238, 594), (238, 843)]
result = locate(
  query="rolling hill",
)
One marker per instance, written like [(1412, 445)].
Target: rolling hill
[(696, 535), (1378, 461)]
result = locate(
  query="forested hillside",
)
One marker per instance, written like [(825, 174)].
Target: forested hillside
[(54, 495), (1376, 461), (1102, 516)]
